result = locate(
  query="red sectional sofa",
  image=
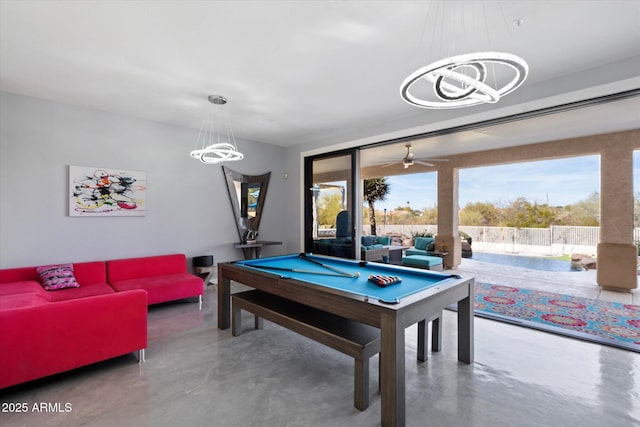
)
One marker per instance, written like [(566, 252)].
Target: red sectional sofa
[(45, 332)]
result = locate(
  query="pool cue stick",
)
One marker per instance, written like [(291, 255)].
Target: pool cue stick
[(296, 270), (329, 267)]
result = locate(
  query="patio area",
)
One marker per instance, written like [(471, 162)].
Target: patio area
[(577, 283)]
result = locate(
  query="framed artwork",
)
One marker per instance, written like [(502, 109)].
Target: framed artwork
[(107, 192)]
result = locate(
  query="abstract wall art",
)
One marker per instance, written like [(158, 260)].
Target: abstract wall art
[(107, 192)]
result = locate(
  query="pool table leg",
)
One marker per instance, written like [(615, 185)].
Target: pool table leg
[(423, 337), (224, 302), (257, 322), (465, 327), (436, 333), (361, 383), (392, 375), (236, 322)]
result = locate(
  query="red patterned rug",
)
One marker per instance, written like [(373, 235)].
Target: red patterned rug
[(603, 322)]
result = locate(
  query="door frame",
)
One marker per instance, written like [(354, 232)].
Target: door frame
[(354, 197)]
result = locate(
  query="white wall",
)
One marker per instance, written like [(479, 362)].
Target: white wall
[(188, 206)]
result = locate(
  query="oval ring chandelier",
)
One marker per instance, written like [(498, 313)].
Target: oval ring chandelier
[(454, 87), (216, 142), (217, 153)]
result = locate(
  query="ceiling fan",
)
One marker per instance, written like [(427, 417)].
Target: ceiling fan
[(409, 160)]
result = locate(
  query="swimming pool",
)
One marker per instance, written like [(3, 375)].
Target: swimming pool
[(532, 262)]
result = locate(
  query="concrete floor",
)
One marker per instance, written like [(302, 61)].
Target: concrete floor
[(197, 375)]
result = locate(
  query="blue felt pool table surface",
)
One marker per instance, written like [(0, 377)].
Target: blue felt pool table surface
[(412, 280)]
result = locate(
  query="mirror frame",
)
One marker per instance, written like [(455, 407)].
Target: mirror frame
[(244, 224)]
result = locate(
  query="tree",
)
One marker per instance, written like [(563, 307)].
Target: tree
[(329, 205), (585, 212), (375, 189), (429, 216), (524, 214), (482, 214)]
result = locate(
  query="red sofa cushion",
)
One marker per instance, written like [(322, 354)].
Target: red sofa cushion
[(92, 277), (86, 273), (81, 292), (20, 274), (8, 302), (20, 287), (169, 287), (34, 288), (138, 268)]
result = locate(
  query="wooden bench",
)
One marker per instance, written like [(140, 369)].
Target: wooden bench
[(355, 339)]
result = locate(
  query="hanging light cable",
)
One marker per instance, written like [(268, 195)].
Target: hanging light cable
[(216, 142)]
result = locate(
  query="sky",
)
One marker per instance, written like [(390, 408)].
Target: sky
[(558, 182)]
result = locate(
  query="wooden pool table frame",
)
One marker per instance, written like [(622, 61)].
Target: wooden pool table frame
[(392, 319)]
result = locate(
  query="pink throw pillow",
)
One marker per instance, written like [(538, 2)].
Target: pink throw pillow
[(54, 277)]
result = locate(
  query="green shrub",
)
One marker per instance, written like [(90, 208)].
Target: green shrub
[(465, 236), (425, 233)]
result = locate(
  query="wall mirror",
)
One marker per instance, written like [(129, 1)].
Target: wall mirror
[(247, 194)]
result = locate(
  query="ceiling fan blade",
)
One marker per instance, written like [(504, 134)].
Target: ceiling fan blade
[(423, 163), (433, 160), (388, 164)]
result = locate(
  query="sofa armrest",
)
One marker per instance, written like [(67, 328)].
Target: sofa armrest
[(55, 337), (414, 251)]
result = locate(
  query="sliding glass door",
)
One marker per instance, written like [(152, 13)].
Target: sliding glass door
[(330, 208)]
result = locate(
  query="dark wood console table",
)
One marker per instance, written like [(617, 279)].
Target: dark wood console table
[(254, 250)]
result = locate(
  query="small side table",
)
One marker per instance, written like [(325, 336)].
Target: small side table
[(205, 273), (395, 254), (441, 255), (437, 253)]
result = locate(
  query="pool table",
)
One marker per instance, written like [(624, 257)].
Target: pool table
[(341, 287)]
